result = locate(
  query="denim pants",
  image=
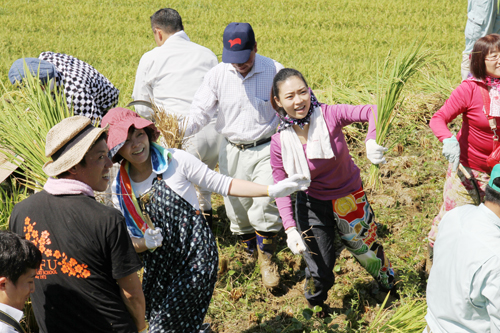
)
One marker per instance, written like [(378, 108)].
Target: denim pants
[(322, 222)]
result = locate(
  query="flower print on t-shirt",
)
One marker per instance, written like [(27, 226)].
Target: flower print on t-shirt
[(52, 260)]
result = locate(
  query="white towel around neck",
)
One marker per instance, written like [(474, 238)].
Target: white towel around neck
[(318, 145)]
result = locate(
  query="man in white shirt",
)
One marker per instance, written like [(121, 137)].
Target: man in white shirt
[(463, 290), (19, 260), (169, 75), (239, 90)]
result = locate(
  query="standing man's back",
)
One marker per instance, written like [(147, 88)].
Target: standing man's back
[(169, 75), (87, 280)]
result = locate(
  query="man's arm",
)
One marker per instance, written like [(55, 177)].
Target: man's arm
[(133, 297), (204, 106)]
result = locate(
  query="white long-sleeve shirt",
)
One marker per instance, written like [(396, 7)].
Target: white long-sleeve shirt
[(183, 173), (463, 290), (14, 313), (170, 74), (245, 113)]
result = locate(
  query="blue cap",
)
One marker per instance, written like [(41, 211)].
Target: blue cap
[(41, 68), (239, 41)]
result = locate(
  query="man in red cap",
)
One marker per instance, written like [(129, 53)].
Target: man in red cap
[(239, 89)]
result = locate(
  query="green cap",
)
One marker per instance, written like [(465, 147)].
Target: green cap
[(495, 173)]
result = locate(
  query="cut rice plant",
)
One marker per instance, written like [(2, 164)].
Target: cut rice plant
[(390, 86), (170, 126), (407, 318), (27, 114)]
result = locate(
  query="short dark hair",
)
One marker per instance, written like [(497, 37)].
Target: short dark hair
[(483, 46), (83, 163), (281, 76), (491, 194), (168, 20), (17, 255)]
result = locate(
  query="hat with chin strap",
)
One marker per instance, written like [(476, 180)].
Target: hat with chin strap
[(119, 121)]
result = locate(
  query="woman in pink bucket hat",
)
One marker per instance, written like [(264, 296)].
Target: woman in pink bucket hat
[(156, 186)]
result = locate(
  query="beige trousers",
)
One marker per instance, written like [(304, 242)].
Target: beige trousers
[(253, 164)]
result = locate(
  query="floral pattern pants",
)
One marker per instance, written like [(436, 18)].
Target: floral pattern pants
[(352, 219)]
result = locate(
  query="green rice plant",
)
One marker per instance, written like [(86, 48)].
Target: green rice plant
[(10, 195), (390, 86), (408, 318), (438, 84), (27, 114)]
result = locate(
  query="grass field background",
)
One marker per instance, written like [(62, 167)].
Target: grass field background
[(329, 41), (337, 46)]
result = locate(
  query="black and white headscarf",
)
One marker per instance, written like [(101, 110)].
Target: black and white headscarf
[(89, 92), (287, 121)]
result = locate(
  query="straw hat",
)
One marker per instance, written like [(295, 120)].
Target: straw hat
[(68, 142), (7, 166)]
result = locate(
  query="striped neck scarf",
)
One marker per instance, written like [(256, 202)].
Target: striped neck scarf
[(129, 205)]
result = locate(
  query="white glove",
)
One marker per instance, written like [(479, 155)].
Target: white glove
[(375, 153), (451, 150), (294, 241), (153, 238), (289, 185)]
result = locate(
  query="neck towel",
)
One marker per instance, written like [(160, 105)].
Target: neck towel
[(318, 145), (129, 205), (65, 186)]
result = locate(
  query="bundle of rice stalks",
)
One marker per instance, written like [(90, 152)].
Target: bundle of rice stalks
[(389, 95), (26, 115), (408, 318), (171, 127)]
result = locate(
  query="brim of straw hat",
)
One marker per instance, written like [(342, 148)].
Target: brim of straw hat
[(7, 167), (74, 155)]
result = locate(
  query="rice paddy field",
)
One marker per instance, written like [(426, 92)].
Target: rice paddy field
[(340, 47)]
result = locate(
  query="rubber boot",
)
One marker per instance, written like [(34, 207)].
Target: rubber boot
[(249, 243), (266, 245)]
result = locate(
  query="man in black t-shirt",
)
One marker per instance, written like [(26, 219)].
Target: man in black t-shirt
[(87, 281)]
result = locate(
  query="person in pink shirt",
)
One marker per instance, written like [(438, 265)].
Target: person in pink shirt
[(477, 99), (310, 142)]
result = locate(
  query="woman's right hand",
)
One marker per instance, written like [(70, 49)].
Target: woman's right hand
[(451, 150), (153, 238), (294, 241)]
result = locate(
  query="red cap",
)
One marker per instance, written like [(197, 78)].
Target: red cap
[(120, 120)]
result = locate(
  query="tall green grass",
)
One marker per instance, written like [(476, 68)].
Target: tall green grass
[(10, 194), (27, 114)]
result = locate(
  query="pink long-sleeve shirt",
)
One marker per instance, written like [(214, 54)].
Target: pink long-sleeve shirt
[(475, 136), (330, 178)]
